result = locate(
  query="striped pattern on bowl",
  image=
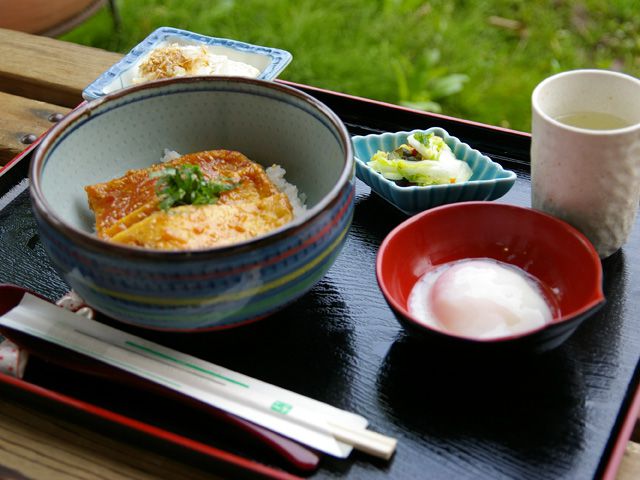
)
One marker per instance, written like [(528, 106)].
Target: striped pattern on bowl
[(212, 291), (204, 289), (488, 182)]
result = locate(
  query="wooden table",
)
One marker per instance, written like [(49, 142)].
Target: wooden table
[(42, 79)]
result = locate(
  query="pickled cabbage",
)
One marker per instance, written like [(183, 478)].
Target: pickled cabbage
[(426, 159)]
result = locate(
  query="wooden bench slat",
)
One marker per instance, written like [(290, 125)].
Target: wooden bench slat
[(40, 445), (49, 70), (23, 116), (630, 465)]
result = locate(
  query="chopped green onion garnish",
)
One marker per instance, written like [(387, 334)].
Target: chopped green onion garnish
[(186, 185)]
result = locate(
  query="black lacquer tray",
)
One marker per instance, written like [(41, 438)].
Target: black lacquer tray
[(563, 414)]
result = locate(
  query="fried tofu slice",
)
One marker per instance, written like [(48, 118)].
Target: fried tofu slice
[(123, 202), (190, 227)]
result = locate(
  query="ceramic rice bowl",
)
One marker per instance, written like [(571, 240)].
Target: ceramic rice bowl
[(202, 289)]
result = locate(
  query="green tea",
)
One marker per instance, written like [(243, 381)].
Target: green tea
[(593, 120)]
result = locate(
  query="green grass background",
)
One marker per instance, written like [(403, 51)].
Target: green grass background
[(478, 60)]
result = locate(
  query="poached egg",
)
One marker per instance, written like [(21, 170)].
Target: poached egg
[(480, 298)]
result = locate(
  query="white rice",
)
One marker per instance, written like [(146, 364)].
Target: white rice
[(169, 155), (297, 199), (276, 174)]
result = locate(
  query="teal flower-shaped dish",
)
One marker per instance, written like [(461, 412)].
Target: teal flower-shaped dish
[(488, 182)]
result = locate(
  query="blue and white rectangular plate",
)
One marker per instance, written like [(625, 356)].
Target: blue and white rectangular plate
[(269, 61)]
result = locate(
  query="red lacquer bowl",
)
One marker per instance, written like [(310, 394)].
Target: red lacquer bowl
[(549, 249)]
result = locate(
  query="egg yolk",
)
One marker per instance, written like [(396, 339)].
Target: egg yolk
[(479, 298)]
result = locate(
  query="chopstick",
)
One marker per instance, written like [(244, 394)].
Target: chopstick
[(366, 441), (308, 421), (295, 454)]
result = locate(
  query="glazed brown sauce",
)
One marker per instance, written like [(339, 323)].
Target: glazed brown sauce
[(127, 211)]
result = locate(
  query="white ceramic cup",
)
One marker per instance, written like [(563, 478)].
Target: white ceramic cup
[(589, 178)]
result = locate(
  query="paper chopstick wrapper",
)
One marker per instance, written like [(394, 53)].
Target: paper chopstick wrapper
[(308, 421)]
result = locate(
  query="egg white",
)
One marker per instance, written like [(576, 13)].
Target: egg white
[(479, 298)]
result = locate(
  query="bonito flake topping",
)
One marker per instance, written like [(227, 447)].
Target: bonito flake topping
[(185, 60)]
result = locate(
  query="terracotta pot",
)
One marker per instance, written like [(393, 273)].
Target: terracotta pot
[(45, 17)]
